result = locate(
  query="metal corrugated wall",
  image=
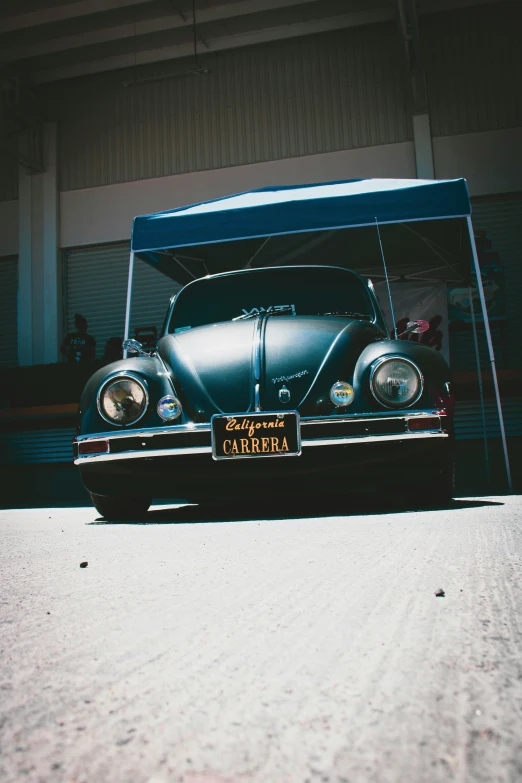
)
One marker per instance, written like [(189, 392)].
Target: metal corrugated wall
[(501, 218), (150, 296), (315, 94), (36, 446), (9, 312), (338, 90), (468, 419), (473, 62), (96, 287)]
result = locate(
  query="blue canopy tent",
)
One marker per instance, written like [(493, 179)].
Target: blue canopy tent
[(322, 212)]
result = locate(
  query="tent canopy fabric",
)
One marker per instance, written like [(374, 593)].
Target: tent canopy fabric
[(303, 208), (233, 232)]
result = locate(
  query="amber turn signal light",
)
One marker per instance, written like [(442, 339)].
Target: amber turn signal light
[(93, 447), (424, 423)]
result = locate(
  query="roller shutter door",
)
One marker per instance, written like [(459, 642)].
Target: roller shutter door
[(8, 312), (501, 218), (37, 446), (468, 419), (96, 287)]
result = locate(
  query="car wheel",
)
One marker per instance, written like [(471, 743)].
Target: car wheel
[(120, 508), (438, 491)]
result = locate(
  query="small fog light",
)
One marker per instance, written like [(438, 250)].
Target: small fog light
[(342, 394), (169, 408)]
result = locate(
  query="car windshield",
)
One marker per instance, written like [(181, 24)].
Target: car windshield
[(285, 291)]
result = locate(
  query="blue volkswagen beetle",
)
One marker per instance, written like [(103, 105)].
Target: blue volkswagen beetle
[(268, 380)]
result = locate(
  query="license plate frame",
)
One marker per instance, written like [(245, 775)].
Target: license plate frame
[(289, 429)]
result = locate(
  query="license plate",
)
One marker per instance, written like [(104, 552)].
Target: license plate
[(256, 435)]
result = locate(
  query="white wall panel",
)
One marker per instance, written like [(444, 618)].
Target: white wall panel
[(105, 214), (490, 161)]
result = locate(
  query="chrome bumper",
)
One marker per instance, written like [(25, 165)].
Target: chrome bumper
[(327, 425)]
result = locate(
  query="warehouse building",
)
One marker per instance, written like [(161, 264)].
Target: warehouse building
[(115, 108)]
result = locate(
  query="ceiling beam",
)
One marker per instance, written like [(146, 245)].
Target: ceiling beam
[(145, 27), (59, 13), (214, 45), (436, 6)]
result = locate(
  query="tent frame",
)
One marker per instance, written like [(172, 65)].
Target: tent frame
[(480, 288), (491, 352)]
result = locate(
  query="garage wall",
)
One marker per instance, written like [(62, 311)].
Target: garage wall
[(473, 62), (468, 419), (8, 312), (491, 161), (315, 94), (501, 218), (345, 89), (96, 287), (8, 177), (9, 228), (340, 90)]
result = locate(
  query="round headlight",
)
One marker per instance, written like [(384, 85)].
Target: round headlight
[(396, 383), (342, 394), (123, 401), (169, 408)]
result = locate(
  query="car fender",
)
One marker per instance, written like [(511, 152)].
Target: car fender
[(149, 369), (435, 371)]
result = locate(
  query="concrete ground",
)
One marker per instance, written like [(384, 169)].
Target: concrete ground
[(292, 643)]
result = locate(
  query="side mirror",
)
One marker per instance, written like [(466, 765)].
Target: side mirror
[(417, 327), (133, 346)]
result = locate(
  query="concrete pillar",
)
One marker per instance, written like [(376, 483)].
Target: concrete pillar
[(39, 275), (25, 273), (423, 146), (52, 268)]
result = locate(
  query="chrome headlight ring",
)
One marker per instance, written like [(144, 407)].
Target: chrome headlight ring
[(397, 358), (118, 376)]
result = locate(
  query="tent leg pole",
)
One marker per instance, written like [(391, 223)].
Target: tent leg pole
[(481, 390), (490, 350), (129, 301)]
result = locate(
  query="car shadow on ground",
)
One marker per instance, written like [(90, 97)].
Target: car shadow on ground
[(291, 508)]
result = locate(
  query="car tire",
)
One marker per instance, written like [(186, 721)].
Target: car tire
[(439, 491), (120, 508)]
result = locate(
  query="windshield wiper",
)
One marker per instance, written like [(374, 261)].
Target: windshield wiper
[(343, 314)]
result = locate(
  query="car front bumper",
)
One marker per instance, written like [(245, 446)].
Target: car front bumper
[(343, 451)]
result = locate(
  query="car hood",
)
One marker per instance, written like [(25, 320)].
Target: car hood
[(213, 366)]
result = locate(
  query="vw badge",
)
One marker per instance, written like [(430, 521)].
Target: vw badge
[(284, 394)]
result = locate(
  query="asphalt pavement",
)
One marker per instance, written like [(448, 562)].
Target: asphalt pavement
[(294, 642)]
